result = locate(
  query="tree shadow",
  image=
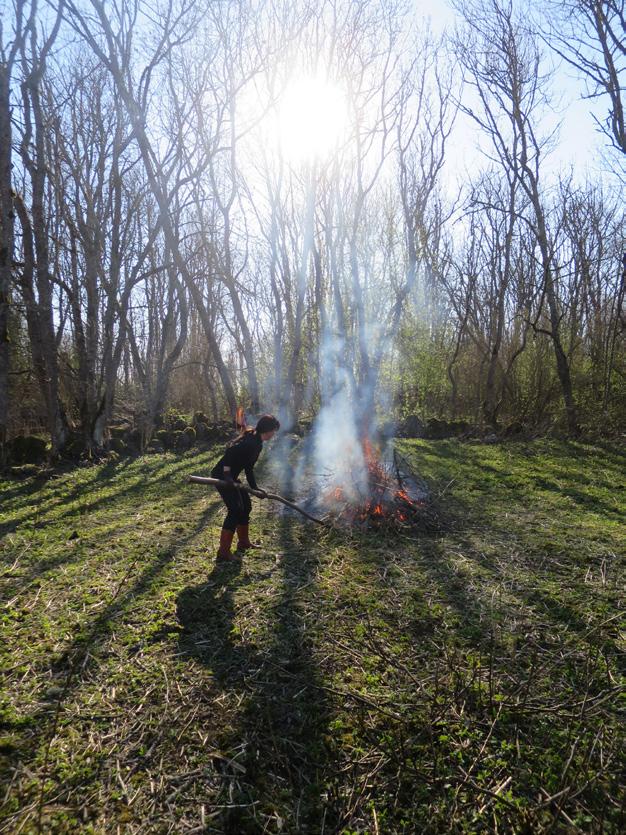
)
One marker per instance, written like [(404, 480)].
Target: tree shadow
[(37, 504), (73, 550), (283, 716), (138, 487), (103, 476), (30, 491), (484, 621), (587, 501), (80, 658)]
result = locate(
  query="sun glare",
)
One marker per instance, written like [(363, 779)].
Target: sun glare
[(312, 119)]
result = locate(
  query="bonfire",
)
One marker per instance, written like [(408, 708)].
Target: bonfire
[(383, 492)]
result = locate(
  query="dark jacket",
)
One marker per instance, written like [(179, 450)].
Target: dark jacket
[(241, 455)]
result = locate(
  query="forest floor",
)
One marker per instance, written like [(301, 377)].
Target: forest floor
[(335, 681)]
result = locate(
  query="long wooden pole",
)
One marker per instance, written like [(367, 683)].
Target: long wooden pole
[(261, 494)]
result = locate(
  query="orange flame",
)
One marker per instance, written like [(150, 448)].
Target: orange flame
[(387, 500), (367, 450)]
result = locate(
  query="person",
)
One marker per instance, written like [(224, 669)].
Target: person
[(242, 454)]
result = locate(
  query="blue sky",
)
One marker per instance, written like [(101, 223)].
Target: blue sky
[(580, 145)]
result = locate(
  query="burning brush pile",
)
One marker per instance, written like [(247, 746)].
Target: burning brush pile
[(366, 485), (384, 493)]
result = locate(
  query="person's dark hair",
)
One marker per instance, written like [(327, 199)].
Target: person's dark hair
[(267, 423)]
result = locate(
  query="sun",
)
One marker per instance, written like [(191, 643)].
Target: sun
[(312, 119)]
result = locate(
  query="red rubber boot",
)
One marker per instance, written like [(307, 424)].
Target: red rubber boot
[(243, 535), (226, 538)]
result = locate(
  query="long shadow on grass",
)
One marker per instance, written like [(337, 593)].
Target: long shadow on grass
[(145, 479), (587, 501), (44, 495), (283, 715), (479, 616), (72, 553), (142, 484), (40, 494), (468, 581), (473, 626), (524, 583), (81, 656)]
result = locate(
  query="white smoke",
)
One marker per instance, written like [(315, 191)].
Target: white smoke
[(337, 451), (337, 462)]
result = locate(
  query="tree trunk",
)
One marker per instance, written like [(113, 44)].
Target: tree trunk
[(492, 401), (562, 362), (6, 252), (248, 345), (41, 336), (290, 403)]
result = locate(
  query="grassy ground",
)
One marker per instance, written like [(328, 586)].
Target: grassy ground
[(334, 682)]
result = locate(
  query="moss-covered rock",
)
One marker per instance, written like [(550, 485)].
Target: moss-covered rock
[(203, 433), (515, 429), (27, 449), (221, 431), (198, 418), (118, 446), (165, 437), (174, 436), (133, 440), (173, 419), (120, 430), (411, 427), (186, 439), (438, 429), (74, 447)]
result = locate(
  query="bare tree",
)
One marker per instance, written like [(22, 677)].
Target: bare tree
[(488, 288), (591, 36), (497, 216), (36, 281), (237, 63), (98, 202), (10, 47), (113, 48), (165, 250), (502, 61), (591, 255), (165, 334)]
